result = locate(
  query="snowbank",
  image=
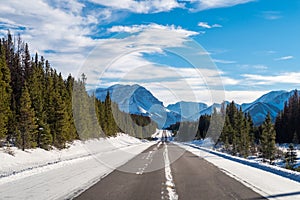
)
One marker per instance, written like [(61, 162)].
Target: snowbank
[(293, 175), (40, 174), (269, 181)]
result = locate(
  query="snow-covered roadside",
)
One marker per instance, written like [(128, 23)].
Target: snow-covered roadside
[(267, 184), (293, 175), (35, 158), (39, 174)]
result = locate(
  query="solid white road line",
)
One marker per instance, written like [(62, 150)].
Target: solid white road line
[(170, 186)]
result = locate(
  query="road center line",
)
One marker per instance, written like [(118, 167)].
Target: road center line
[(170, 185)]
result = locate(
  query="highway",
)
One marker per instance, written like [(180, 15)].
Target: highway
[(166, 171)]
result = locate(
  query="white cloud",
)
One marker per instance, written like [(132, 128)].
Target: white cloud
[(153, 6), (210, 4), (143, 6), (123, 55), (122, 61), (224, 61), (271, 15), (60, 27), (63, 28), (288, 77), (206, 25), (216, 26), (244, 96), (140, 28), (285, 58), (260, 67)]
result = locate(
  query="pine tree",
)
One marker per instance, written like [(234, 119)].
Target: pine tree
[(27, 122), (287, 122), (5, 94), (268, 139), (45, 139), (291, 157), (60, 126), (204, 122), (109, 126), (68, 101), (245, 140), (216, 125)]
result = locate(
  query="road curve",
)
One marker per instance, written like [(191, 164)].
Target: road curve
[(166, 171)]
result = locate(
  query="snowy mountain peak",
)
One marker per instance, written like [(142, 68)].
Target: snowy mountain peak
[(187, 109), (136, 99), (272, 102)]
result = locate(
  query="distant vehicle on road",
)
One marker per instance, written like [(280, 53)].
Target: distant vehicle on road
[(164, 137)]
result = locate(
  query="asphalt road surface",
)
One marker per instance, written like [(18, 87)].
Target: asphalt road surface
[(166, 171)]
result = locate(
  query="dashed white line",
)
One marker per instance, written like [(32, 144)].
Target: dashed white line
[(149, 159)]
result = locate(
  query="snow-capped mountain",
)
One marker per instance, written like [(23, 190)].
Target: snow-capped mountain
[(188, 110), (136, 99), (259, 111), (272, 102)]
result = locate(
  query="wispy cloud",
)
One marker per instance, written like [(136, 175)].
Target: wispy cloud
[(152, 6), (210, 4), (288, 77), (285, 58), (271, 15), (260, 67), (246, 96), (256, 66), (56, 26), (121, 60), (224, 61), (141, 27), (206, 25)]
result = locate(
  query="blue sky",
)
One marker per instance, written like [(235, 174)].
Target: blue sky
[(192, 50)]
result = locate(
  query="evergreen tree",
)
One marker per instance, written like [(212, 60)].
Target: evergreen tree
[(215, 126), (291, 157), (38, 108), (44, 139), (268, 139), (27, 122), (60, 124), (204, 122), (72, 129), (5, 94), (245, 139)]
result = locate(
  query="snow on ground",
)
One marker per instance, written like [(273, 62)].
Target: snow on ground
[(284, 148), (270, 181), (40, 174)]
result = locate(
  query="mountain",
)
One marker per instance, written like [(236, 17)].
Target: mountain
[(136, 99), (210, 109), (270, 99), (188, 110), (272, 102), (259, 111)]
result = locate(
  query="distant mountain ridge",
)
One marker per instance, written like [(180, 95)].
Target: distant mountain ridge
[(136, 99), (188, 110), (272, 102)]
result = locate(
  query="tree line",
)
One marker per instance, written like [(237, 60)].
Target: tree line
[(238, 135), (287, 123), (39, 108)]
